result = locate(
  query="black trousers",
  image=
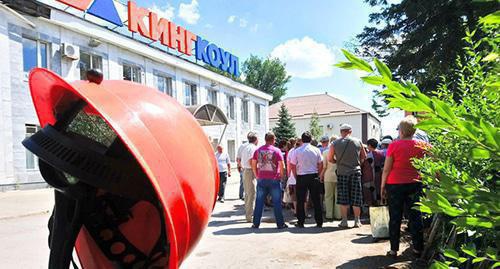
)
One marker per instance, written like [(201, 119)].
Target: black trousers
[(309, 182), (222, 183), (400, 197)]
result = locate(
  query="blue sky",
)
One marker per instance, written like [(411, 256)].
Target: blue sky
[(306, 35)]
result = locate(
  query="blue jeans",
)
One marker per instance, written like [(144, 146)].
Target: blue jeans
[(265, 187)]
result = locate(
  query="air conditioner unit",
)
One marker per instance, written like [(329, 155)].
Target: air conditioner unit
[(70, 51)]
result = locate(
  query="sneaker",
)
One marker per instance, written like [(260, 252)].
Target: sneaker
[(357, 224), (319, 225), (255, 226), (283, 226), (343, 224), (299, 225), (221, 200), (392, 254)]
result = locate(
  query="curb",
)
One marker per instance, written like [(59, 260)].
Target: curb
[(25, 215)]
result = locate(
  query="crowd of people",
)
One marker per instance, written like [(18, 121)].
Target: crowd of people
[(332, 176)]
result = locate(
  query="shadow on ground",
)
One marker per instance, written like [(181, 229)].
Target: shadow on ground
[(404, 261), (266, 230)]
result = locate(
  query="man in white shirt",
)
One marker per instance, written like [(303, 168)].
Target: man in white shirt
[(224, 164), (307, 163), (245, 155)]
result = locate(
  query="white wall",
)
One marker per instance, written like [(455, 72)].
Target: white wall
[(17, 110), (302, 125)]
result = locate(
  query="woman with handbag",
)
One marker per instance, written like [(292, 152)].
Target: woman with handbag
[(401, 182)]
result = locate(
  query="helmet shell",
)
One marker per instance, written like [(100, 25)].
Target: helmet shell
[(166, 141)]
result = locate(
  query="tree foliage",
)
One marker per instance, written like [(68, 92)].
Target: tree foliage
[(420, 40), (314, 127), (285, 128), (268, 75), (461, 173)]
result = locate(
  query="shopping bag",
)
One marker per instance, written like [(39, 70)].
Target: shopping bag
[(379, 221)]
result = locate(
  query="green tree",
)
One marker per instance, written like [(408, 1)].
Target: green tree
[(314, 126), (461, 171), (420, 40), (268, 75), (285, 128)]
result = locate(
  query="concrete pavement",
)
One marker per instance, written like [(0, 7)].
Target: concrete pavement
[(228, 241)]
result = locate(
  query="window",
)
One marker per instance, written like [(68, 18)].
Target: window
[(212, 97), (230, 106), (132, 73), (164, 84), (231, 149), (35, 54), (88, 61), (31, 159), (190, 94), (244, 110), (257, 114)]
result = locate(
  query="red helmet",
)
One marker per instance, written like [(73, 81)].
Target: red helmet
[(134, 173)]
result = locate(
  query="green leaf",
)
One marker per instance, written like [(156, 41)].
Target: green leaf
[(374, 80), (496, 265), (478, 222), (468, 129), (443, 109), (396, 86), (432, 124), (491, 133), (470, 250), (462, 260), (493, 18), (451, 253), (492, 253), (439, 265), (441, 201), (479, 153), (479, 259), (383, 69), (345, 65), (423, 208), (360, 64), (490, 57)]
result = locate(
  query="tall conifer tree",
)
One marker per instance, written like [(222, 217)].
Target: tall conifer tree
[(285, 128)]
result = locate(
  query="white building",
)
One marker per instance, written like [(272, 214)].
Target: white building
[(331, 113), (63, 39)]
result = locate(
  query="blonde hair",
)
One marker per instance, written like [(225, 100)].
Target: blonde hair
[(333, 138), (407, 126)]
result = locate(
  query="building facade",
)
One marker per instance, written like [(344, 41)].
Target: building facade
[(331, 111), (48, 35)]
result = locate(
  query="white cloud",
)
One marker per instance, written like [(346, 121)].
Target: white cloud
[(305, 58), (189, 12), (231, 19), (243, 23), (208, 26), (167, 12)]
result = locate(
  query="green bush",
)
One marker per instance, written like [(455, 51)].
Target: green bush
[(461, 172)]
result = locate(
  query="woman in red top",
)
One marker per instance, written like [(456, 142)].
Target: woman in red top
[(402, 183)]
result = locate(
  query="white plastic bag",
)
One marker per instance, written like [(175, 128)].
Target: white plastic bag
[(379, 221)]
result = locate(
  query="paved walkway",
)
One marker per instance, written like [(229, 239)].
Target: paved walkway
[(228, 242)]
